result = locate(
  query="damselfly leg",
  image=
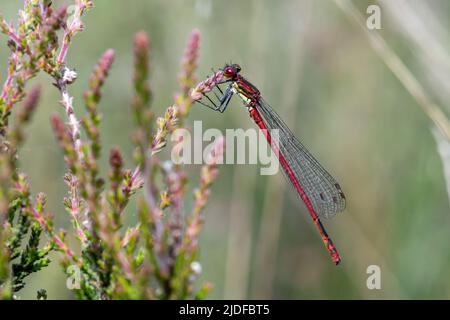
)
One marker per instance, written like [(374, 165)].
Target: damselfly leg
[(218, 98)]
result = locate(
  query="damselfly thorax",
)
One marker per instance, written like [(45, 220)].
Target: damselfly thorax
[(247, 97)]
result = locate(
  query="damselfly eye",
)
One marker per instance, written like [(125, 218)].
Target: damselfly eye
[(229, 72)]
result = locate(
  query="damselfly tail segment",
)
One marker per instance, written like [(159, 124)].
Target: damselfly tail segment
[(319, 191), (292, 176)]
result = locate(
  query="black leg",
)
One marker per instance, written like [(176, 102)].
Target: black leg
[(223, 100), (217, 86), (226, 98), (210, 100), (207, 105), (218, 98)]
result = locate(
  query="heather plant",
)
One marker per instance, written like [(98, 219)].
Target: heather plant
[(155, 259)]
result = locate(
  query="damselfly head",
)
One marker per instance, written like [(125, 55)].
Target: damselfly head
[(230, 71)]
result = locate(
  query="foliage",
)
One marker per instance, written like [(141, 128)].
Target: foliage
[(154, 259)]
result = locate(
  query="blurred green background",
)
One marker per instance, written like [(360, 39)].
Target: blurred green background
[(317, 68)]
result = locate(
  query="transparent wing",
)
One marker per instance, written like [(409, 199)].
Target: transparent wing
[(321, 188)]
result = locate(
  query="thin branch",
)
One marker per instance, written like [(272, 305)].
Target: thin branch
[(399, 69)]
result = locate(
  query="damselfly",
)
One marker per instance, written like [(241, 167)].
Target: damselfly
[(319, 191)]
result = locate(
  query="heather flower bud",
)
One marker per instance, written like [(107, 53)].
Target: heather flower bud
[(206, 85)]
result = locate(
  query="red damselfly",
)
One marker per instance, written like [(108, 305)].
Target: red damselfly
[(319, 191)]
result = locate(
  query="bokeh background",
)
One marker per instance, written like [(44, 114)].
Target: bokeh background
[(323, 76)]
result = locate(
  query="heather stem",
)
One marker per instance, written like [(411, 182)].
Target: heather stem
[(201, 195), (140, 104), (9, 30), (187, 78), (75, 26), (6, 87), (67, 102)]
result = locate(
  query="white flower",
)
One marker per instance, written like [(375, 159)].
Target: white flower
[(23, 15), (167, 165), (68, 76), (196, 267)]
